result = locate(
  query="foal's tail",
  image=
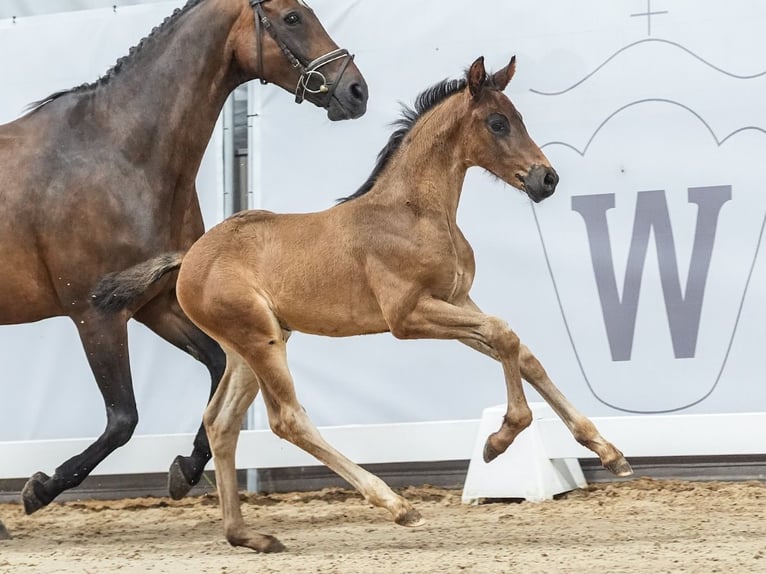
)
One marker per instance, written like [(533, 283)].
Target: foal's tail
[(119, 290)]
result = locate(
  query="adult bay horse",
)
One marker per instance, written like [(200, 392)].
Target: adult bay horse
[(101, 177), (388, 258)]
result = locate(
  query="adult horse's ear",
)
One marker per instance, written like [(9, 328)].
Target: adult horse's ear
[(477, 77), (502, 77)]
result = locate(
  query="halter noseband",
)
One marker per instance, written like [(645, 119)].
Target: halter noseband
[(309, 72)]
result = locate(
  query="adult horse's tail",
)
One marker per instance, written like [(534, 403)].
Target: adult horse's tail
[(119, 290)]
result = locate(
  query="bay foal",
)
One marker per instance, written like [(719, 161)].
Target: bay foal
[(388, 258)]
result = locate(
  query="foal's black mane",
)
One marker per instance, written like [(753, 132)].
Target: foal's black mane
[(426, 100), (120, 64)]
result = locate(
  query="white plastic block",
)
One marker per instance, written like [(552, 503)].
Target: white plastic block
[(522, 471)]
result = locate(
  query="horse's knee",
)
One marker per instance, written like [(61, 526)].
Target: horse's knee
[(503, 338)]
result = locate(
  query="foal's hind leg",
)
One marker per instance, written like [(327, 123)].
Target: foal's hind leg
[(581, 427), (164, 316), (254, 333), (223, 419), (105, 341)]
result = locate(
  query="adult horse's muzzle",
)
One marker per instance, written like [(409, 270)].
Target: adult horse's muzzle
[(540, 182), (344, 97)]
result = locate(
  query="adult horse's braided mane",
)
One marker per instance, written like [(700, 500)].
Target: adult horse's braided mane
[(121, 63), (425, 101)]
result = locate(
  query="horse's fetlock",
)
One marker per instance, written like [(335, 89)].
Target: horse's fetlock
[(519, 420), (585, 433)]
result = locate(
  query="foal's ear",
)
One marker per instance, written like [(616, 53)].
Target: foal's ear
[(502, 77), (477, 77)]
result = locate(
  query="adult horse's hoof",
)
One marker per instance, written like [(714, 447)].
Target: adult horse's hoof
[(4, 534), (411, 518), (619, 467), (180, 478), (34, 495)]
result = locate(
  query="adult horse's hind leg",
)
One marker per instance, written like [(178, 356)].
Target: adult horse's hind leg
[(164, 316), (105, 341)]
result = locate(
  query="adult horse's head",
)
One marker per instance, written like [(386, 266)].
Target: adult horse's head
[(500, 142), (283, 42)]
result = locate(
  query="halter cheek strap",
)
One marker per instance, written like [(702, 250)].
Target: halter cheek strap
[(310, 73)]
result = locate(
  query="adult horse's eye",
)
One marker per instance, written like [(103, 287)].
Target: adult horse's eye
[(499, 124), (292, 19)]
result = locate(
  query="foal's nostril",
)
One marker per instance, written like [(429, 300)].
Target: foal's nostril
[(358, 91), (551, 179)]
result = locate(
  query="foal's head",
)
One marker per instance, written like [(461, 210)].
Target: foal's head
[(495, 137), (283, 42)]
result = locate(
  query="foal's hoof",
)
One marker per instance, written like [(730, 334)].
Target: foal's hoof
[(411, 518), (260, 543), (179, 483), (4, 534), (490, 452), (619, 467), (270, 545), (33, 494)]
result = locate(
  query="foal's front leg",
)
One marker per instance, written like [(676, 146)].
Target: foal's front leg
[(436, 319), (583, 430)]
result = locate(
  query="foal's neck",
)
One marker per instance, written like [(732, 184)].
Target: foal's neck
[(429, 169)]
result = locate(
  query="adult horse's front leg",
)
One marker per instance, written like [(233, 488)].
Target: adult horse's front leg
[(104, 338), (583, 430), (164, 316)]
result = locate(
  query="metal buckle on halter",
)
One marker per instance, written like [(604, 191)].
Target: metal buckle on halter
[(311, 72)]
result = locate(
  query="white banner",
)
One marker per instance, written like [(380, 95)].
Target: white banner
[(639, 284)]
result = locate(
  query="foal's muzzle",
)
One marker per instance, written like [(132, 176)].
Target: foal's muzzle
[(540, 182)]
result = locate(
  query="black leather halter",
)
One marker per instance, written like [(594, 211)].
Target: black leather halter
[(311, 80)]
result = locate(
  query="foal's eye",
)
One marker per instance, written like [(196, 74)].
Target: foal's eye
[(292, 19), (498, 124)]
